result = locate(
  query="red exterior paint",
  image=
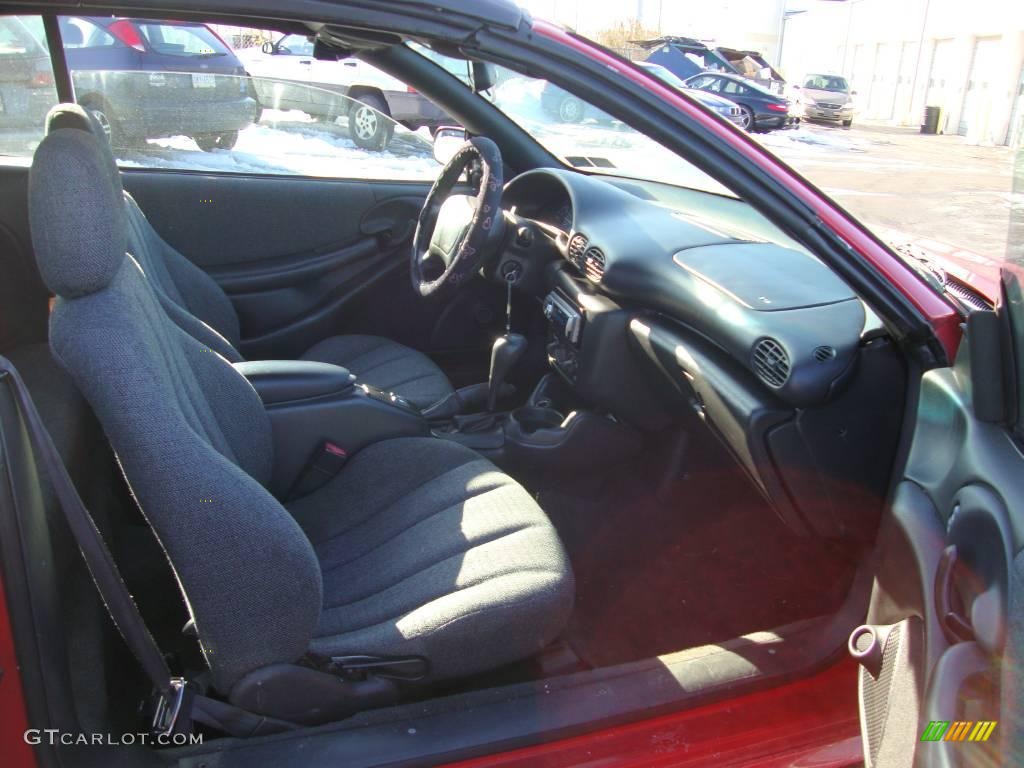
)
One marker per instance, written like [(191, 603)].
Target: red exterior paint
[(809, 722), (942, 317), (13, 718)]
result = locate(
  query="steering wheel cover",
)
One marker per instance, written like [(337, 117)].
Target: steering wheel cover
[(470, 252)]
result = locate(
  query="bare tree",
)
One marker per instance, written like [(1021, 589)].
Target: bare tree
[(620, 36)]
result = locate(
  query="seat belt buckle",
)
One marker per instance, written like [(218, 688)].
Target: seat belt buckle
[(172, 712), (326, 461), (355, 668)]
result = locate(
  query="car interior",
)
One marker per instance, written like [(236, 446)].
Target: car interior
[(598, 447)]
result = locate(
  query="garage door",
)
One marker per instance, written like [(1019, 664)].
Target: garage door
[(905, 82), (977, 108), (1016, 136), (941, 79)]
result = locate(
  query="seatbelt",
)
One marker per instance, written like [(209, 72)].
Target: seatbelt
[(177, 704)]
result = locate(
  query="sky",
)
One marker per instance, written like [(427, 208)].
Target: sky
[(705, 19)]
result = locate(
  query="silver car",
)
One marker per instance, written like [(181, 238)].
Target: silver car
[(828, 97)]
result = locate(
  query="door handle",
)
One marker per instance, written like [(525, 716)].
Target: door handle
[(955, 627), (307, 62), (350, 64)]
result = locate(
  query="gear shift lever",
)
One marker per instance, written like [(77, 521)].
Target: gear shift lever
[(505, 353)]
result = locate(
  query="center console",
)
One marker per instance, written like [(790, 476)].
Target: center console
[(565, 332), (312, 404)]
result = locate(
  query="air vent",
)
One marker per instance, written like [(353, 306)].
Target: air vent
[(577, 245), (593, 264), (771, 363), (824, 353)]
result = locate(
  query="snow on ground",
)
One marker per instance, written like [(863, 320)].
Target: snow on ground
[(292, 143)]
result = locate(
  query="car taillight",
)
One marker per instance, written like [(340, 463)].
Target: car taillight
[(778, 107), (42, 78), (410, 89), (126, 33)]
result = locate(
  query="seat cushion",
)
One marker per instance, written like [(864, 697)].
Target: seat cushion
[(386, 365), (427, 548)]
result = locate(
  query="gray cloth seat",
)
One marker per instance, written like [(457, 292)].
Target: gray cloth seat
[(194, 300), (416, 546)]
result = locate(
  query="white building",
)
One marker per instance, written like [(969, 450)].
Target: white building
[(745, 24), (903, 55)]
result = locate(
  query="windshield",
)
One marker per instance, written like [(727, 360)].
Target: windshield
[(585, 137), (826, 83), (182, 39)]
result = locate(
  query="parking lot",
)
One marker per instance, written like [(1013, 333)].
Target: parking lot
[(896, 179)]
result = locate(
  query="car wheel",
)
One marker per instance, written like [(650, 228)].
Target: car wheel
[(211, 141), (746, 118), (570, 110), (109, 124), (369, 123), (847, 123)]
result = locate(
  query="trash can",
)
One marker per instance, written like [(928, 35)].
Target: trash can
[(931, 120)]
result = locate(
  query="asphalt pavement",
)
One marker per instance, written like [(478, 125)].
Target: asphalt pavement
[(898, 179)]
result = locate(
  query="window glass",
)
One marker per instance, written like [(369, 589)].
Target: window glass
[(731, 86), (588, 138), (289, 115), (295, 45), (189, 40), (26, 85)]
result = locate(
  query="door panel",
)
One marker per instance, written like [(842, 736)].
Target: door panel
[(944, 577), (303, 259)]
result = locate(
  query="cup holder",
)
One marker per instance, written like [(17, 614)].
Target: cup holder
[(530, 419)]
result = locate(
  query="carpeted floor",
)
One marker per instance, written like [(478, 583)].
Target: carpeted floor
[(707, 561)]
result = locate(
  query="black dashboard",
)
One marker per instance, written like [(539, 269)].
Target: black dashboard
[(763, 342), (774, 309)]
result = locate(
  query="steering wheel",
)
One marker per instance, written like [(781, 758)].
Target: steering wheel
[(455, 232)]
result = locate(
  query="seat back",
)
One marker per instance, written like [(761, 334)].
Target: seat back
[(189, 296), (189, 431)]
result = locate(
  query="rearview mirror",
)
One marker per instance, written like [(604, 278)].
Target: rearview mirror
[(447, 141), (268, 48), (484, 76)]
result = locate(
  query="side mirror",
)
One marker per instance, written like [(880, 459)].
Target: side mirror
[(797, 87), (268, 48), (853, 93), (447, 141)]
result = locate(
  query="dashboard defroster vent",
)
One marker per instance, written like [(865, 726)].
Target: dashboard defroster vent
[(771, 362), (577, 245), (593, 264)]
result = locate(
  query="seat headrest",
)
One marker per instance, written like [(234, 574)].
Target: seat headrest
[(76, 213), (73, 116)]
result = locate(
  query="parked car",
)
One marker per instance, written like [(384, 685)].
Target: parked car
[(762, 109), (829, 98), (744, 488), (720, 105), (145, 79), (685, 57), (26, 80), (289, 77)]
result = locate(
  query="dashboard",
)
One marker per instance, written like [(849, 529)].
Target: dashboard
[(774, 309), (652, 307)]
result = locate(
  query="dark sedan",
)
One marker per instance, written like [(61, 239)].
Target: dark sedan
[(150, 79), (717, 104), (762, 109)]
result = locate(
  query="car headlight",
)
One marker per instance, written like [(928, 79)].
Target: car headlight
[(809, 101)]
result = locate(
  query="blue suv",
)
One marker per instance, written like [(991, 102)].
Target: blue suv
[(146, 79)]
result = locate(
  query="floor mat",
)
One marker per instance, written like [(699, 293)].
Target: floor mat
[(707, 561)]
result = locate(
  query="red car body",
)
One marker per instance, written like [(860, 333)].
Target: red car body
[(813, 721)]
